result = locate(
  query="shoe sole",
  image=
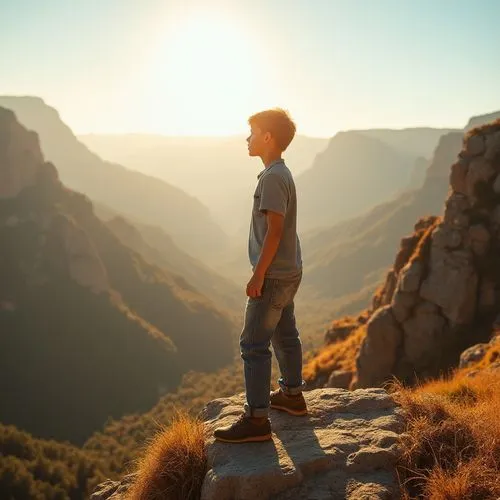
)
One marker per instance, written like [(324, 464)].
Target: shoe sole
[(297, 413), (253, 439)]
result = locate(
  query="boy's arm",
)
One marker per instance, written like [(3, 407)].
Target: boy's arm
[(274, 201), (275, 223)]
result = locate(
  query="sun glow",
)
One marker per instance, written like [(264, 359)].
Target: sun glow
[(208, 74)]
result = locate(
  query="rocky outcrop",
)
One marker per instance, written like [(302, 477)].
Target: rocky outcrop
[(345, 448), (482, 356), (445, 278), (113, 490)]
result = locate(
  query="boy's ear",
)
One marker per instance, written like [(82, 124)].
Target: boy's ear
[(267, 137)]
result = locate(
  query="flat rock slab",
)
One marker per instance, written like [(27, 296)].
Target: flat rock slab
[(345, 448)]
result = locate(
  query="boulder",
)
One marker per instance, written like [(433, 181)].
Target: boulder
[(480, 170), (340, 379), (378, 352), (339, 331), (345, 448), (411, 276), (402, 304), (474, 145), (454, 213), (458, 176), (452, 284), (114, 490), (423, 334), (472, 355)]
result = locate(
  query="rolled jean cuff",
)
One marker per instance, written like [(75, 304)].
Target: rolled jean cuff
[(292, 391), (256, 412)]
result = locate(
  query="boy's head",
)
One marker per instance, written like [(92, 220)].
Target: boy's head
[(271, 131)]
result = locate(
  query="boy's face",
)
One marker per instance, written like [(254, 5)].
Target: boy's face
[(258, 141)]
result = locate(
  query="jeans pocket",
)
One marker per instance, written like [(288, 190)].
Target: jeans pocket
[(283, 293)]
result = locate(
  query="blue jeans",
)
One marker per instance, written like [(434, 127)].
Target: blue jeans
[(270, 318)]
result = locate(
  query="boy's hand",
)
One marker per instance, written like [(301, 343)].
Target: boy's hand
[(254, 286)]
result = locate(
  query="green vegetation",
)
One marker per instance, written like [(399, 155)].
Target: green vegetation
[(45, 470), (73, 355)]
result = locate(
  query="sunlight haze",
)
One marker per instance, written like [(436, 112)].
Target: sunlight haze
[(200, 68)]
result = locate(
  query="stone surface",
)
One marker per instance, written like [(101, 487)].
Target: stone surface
[(452, 284), (411, 276), (455, 206), (445, 236), (402, 304), (480, 238), (113, 490), (345, 448), (496, 184), (487, 295), (458, 175), (12, 221), (378, 351), (475, 145), (473, 355), (422, 334), (492, 146), (479, 170), (340, 379)]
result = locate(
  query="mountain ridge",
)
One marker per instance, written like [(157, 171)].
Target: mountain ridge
[(147, 198)]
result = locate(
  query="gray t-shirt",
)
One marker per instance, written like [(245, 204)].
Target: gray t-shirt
[(275, 191)]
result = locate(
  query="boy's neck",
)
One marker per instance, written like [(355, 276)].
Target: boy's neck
[(270, 158)]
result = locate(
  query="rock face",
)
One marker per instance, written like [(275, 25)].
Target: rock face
[(445, 279), (345, 448)]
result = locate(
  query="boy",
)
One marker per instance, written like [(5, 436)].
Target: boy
[(275, 256)]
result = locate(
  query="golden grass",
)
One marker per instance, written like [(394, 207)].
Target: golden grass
[(174, 464), (451, 447), (337, 356)]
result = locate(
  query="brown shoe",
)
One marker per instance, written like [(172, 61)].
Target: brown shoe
[(294, 405), (244, 430)]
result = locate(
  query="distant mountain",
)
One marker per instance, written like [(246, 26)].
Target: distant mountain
[(89, 328), (353, 174), (418, 173), (217, 170), (417, 141), (158, 248), (151, 200), (355, 254), (477, 121)]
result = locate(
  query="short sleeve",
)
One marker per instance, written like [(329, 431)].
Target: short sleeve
[(274, 194)]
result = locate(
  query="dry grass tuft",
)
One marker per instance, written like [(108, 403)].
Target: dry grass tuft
[(337, 356), (451, 448), (174, 464)]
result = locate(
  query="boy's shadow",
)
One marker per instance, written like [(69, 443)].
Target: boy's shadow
[(298, 438)]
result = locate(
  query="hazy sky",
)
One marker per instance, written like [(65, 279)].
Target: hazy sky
[(202, 66)]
